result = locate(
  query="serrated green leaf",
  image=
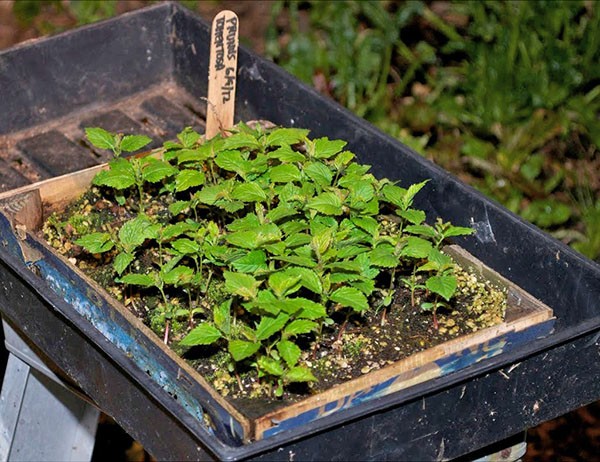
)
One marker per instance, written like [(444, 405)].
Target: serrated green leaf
[(252, 262), (177, 229), (155, 170), (232, 161), (298, 260), (120, 175), (186, 246), (269, 326), (199, 154), (222, 317), (326, 148), (145, 280), (442, 285), (309, 279), (249, 192), (342, 159), (322, 240), (247, 223), (394, 194), (284, 173), (101, 138), (327, 203), (131, 143), (241, 140), (240, 349), (416, 247), (179, 207), (289, 351), (188, 137), (202, 334), (252, 239), (285, 282), (286, 154), (122, 261), (361, 191), (383, 256), (178, 276), (319, 173), (134, 232), (299, 374), (413, 216), (297, 240), (300, 326), (422, 230), (241, 284), (280, 212), (311, 310), (270, 366), (286, 136), (211, 194), (365, 286), (369, 224), (411, 192), (96, 242), (458, 231), (351, 297), (188, 178)]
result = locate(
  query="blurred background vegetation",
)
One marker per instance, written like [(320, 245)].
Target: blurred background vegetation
[(504, 94)]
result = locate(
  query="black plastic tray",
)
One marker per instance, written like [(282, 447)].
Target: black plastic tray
[(120, 71)]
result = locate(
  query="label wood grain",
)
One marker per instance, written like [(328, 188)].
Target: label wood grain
[(222, 73)]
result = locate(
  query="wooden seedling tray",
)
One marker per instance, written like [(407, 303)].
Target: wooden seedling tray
[(23, 211)]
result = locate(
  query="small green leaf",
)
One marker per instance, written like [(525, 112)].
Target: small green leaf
[(188, 178), (411, 192), (383, 256), (300, 326), (351, 297), (423, 230), (137, 279), (322, 240), (413, 216), (179, 207), (289, 351), (202, 334), (241, 284), (122, 261), (249, 192), (416, 247), (186, 246), (252, 262), (179, 275), (299, 374), (155, 170), (240, 349), (222, 317), (442, 285), (285, 282), (284, 173), (270, 366), (231, 161), (369, 224), (241, 140), (252, 239), (458, 231), (319, 173), (101, 138), (311, 310), (280, 212), (134, 232), (309, 279), (325, 148), (120, 175), (96, 242), (287, 154), (188, 137), (327, 203), (286, 136), (131, 143)]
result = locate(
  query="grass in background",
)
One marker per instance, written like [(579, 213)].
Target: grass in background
[(504, 94)]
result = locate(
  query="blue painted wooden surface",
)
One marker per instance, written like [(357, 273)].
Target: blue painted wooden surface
[(116, 329)]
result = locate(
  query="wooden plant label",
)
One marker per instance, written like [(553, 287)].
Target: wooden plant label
[(222, 73)]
